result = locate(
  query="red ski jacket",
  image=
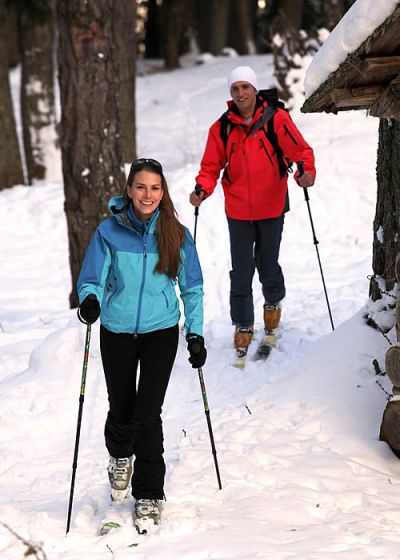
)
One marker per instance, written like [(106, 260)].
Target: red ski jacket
[(251, 180)]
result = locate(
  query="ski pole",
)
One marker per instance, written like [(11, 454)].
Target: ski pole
[(300, 167), (78, 427), (197, 190), (207, 412), (200, 372)]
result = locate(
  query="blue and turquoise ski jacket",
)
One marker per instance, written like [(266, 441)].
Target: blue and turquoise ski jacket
[(119, 270)]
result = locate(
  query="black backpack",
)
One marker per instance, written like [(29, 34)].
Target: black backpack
[(266, 121)]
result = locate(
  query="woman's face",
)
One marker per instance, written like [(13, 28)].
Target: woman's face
[(146, 193)]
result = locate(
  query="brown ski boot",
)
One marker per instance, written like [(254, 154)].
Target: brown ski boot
[(272, 316), (242, 341)]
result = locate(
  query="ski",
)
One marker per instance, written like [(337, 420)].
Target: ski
[(268, 342), (116, 514)]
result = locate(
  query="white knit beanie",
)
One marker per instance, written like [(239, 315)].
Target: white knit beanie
[(242, 74)]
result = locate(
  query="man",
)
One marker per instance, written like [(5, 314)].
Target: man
[(253, 142)]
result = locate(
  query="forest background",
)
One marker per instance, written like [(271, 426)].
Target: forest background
[(91, 52)]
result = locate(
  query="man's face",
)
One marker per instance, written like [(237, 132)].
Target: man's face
[(244, 96)]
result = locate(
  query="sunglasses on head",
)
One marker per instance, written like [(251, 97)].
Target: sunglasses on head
[(142, 161)]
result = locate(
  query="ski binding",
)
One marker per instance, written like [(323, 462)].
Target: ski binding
[(240, 358), (267, 343), (143, 524)]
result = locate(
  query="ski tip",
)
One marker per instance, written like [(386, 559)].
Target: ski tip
[(109, 526), (239, 363), (263, 352)]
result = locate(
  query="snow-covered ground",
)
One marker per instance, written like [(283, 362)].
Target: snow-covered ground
[(304, 474)]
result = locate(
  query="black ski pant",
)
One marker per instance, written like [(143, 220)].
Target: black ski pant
[(254, 245), (133, 425)]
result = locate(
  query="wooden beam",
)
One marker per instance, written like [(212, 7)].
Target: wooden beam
[(380, 69), (356, 97), (387, 105)]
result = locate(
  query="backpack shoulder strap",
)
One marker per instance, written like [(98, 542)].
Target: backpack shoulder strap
[(267, 115), (225, 128), (284, 164)]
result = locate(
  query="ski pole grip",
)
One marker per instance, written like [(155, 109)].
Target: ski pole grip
[(197, 190), (195, 348), (300, 167)]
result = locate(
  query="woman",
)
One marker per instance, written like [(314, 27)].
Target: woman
[(128, 277)]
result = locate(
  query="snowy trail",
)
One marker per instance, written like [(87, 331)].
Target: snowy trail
[(304, 475)]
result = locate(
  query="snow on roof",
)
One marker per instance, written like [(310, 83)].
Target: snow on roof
[(352, 30)]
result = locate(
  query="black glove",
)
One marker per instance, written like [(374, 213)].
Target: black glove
[(89, 310), (197, 350)]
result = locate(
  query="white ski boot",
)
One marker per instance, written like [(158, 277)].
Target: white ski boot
[(146, 513), (119, 475)]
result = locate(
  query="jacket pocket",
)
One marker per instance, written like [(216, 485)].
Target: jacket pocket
[(232, 150), (226, 176), (111, 290), (263, 147), (165, 298), (288, 133)]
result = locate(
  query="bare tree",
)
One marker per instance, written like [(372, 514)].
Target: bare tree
[(10, 159), (36, 33), (201, 17), (293, 12), (219, 24), (241, 29), (89, 85), (174, 12), (152, 40)]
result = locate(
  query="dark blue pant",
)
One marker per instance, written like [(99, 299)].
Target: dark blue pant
[(254, 245), (133, 425)]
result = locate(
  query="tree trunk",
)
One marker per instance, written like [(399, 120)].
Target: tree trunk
[(37, 93), (293, 12), (241, 32), (125, 17), (11, 33), (173, 24), (153, 30), (386, 244), (89, 85), (10, 158), (219, 18), (202, 11)]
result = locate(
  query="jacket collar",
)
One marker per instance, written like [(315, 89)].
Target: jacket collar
[(122, 211), (235, 117)]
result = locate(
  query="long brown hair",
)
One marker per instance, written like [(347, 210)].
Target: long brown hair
[(170, 232)]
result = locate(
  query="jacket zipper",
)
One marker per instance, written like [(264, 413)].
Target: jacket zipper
[(288, 133), (142, 284), (248, 183)]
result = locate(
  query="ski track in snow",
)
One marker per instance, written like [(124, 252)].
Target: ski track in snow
[(304, 476)]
